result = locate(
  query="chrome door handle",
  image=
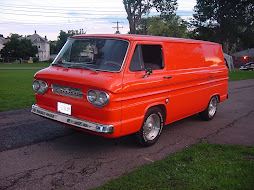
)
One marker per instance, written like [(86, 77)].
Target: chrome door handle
[(168, 77)]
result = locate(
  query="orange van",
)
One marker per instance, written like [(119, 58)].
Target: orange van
[(115, 85)]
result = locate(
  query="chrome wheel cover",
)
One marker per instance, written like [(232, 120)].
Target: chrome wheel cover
[(212, 107), (151, 128)]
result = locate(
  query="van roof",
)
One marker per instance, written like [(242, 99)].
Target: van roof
[(135, 37)]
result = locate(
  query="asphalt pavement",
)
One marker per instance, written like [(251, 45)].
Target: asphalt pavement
[(36, 153)]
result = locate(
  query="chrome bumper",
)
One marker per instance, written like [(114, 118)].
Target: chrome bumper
[(96, 127)]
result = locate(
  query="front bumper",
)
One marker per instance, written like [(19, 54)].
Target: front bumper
[(80, 123)]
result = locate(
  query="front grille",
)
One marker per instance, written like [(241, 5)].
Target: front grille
[(67, 91)]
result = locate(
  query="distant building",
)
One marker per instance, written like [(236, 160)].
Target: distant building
[(242, 57), (42, 44), (1, 45), (2, 42)]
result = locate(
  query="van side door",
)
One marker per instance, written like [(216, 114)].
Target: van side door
[(145, 84)]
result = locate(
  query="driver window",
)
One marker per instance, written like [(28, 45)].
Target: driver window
[(147, 56)]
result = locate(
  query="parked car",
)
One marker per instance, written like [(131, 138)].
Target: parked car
[(115, 85), (248, 66)]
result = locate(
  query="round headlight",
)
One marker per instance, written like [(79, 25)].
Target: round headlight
[(91, 96), (36, 85), (103, 98), (43, 87)]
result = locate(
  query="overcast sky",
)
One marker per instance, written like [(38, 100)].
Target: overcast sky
[(48, 17)]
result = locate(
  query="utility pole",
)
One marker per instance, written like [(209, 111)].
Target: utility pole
[(117, 27)]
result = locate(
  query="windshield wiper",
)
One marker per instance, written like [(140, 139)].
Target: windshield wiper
[(84, 67), (66, 66)]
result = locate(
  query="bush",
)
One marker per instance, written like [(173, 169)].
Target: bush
[(35, 59), (50, 60)]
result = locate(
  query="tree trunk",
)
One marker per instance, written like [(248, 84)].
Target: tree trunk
[(132, 25), (134, 16), (225, 47)]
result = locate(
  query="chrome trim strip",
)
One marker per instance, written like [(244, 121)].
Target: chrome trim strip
[(80, 123)]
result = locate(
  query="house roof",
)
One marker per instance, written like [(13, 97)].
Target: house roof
[(3, 40), (135, 37), (247, 52), (36, 36)]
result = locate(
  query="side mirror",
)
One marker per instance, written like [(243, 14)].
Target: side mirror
[(148, 71)]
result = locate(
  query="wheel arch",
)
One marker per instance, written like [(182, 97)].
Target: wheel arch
[(217, 96), (162, 107)]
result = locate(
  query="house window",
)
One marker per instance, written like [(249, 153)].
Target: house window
[(147, 56)]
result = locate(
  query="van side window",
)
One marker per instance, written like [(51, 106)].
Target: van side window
[(147, 56), (137, 60)]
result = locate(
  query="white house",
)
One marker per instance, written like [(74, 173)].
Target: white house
[(2, 42), (42, 44), (1, 45)]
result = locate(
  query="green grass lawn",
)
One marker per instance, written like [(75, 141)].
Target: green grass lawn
[(24, 64), (16, 88), (240, 75), (203, 166)]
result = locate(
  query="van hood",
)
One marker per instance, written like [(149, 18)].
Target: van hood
[(101, 80)]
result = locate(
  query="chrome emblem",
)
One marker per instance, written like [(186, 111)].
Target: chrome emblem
[(67, 91)]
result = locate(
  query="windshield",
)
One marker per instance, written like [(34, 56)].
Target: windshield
[(97, 54)]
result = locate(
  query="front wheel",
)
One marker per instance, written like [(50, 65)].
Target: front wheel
[(151, 128), (210, 110)]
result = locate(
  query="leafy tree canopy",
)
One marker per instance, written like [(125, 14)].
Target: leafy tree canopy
[(135, 9), (173, 26), (18, 48), (229, 22), (63, 36)]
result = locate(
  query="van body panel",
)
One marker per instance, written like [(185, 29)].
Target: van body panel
[(216, 72)]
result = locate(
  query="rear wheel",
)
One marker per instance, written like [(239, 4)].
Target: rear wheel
[(151, 128), (211, 109)]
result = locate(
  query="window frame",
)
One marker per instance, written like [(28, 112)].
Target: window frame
[(141, 56)]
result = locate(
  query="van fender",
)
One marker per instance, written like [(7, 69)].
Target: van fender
[(217, 95), (162, 107)]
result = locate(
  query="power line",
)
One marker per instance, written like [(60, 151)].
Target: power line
[(55, 16), (61, 12), (55, 22), (57, 8)]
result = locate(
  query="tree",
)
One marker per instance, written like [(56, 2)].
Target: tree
[(135, 9), (63, 36), (173, 26), (229, 22), (53, 49), (27, 49), (18, 49)]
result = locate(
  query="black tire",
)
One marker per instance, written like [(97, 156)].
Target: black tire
[(211, 109), (151, 128)]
